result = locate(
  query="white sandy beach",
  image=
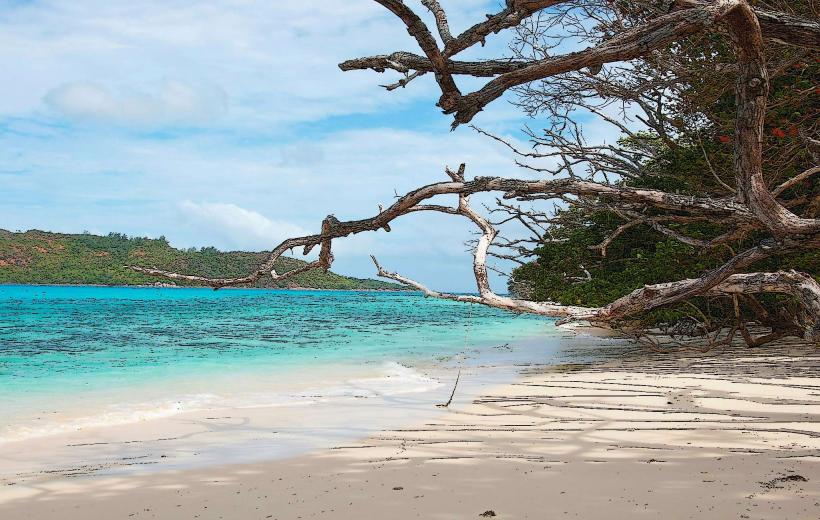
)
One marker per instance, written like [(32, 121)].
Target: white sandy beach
[(731, 434)]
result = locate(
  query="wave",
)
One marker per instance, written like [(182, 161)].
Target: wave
[(391, 379)]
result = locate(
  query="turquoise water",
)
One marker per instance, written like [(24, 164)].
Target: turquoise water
[(79, 351)]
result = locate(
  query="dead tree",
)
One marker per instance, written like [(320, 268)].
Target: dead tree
[(750, 205)]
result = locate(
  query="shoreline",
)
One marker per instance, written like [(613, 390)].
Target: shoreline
[(223, 428), (169, 286), (729, 434)]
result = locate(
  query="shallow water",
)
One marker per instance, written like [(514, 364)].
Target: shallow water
[(74, 358)]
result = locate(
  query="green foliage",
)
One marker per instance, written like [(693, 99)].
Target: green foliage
[(640, 255), (38, 257)]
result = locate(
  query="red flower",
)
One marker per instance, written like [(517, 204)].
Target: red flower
[(725, 139), (777, 132)]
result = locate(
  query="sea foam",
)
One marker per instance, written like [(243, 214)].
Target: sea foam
[(390, 379)]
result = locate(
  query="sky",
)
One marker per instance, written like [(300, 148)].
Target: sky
[(229, 124)]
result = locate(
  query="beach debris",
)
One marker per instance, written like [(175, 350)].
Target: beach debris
[(775, 483), (397, 488), (488, 513), (453, 393)]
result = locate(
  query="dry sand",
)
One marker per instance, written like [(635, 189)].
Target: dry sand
[(730, 434)]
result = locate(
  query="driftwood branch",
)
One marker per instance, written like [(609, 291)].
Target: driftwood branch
[(640, 300), (749, 207)]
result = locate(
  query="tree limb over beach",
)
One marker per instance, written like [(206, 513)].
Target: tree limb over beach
[(748, 209)]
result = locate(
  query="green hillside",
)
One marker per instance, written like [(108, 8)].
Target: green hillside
[(39, 257)]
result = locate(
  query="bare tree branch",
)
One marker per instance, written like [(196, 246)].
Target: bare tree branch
[(797, 179), (593, 176), (441, 19), (418, 30)]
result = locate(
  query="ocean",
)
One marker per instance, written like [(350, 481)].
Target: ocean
[(78, 358)]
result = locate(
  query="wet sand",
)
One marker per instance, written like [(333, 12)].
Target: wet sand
[(728, 434)]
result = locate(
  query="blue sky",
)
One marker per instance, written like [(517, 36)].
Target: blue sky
[(228, 123)]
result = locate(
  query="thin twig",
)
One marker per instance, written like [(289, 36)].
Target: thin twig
[(453, 393)]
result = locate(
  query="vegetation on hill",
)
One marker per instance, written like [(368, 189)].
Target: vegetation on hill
[(39, 257)]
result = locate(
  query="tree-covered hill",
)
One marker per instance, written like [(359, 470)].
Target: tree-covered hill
[(39, 257)]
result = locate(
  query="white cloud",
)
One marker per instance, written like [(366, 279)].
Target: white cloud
[(276, 61), (231, 226), (250, 197), (254, 96), (171, 103)]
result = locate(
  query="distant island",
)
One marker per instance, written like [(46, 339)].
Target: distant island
[(41, 257)]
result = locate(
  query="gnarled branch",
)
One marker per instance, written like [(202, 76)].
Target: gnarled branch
[(751, 206)]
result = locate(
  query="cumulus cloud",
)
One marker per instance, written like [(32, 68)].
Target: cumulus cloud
[(230, 226), (262, 117), (277, 61), (171, 103)]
